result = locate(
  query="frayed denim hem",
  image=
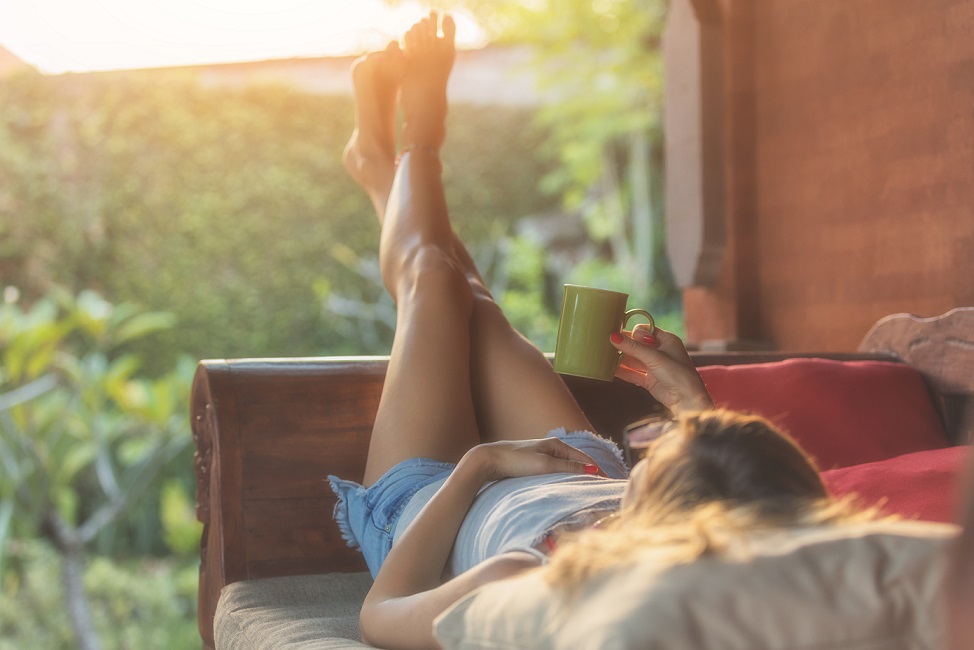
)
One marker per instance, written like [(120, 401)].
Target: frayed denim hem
[(619, 468), (340, 513)]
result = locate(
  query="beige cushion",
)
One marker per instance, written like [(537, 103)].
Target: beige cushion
[(312, 612), (863, 586)]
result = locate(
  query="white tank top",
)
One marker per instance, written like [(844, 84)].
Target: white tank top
[(515, 513)]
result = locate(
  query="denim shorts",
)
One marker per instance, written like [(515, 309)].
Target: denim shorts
[(367, 517)]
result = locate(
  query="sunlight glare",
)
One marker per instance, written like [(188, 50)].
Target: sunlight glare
[(73, 35)]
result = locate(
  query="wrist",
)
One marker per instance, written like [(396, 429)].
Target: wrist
[(476, 466)]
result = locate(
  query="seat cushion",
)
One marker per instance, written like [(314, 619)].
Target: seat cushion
[(859, 587), (313, 612), (842, 413)]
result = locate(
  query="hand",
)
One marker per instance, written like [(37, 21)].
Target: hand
[(659, 362), (509, 458)]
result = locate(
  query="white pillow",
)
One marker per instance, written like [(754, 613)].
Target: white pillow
[(864, 586)]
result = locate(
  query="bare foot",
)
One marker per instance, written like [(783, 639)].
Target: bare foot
[(370, 155), (429, 59)]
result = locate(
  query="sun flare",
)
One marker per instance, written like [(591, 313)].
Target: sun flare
[(72, 35)]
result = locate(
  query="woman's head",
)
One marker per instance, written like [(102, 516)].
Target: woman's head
[(727, 458), (710, 478)]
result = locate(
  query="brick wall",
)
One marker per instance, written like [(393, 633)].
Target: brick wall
[(850, 169)]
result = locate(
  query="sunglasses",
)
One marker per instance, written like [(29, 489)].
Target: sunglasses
[(639, 435)]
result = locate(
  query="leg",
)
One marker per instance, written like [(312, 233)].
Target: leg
[(516, 394), (426, 407), (370, 153)]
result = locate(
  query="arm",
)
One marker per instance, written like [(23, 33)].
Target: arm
[(659, 362), (407, 594)]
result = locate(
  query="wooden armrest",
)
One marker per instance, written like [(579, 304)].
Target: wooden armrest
[(942, 349), (267, 433)]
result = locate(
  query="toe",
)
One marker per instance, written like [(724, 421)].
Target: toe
[(449, 29), (410, 39)]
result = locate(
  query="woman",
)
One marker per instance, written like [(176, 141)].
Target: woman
[(461, 485)]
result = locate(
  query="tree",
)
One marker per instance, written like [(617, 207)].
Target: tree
[(228, 206), (81, 435), (600, 64)]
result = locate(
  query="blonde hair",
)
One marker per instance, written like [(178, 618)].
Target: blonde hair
[(711, 479)]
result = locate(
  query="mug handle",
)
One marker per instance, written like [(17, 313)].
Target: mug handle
[(639, 312)]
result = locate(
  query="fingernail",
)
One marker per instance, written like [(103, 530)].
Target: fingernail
[(591, 469), (615, 337), (651, 341)]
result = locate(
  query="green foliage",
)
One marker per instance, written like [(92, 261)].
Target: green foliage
[(524, 297), (136, 604), (602, 60), (601, 67), (178, 514), (82, 434), (228, 207)]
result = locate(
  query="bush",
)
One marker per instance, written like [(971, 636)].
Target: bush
[(145, 604), (228, 207)]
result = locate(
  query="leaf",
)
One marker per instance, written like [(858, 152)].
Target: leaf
[(135, 450), (6, 514), (77, 458), (14, 468), (118, 375), (66, 501), (134, 397), (178, 515), (92, 313), (143, 324)]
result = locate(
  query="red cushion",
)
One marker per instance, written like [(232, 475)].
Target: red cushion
[(841, 412), (922, 485)]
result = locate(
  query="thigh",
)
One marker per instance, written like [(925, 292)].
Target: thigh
[(517, 394), (426, 407)]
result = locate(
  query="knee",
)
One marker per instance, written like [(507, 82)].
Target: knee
[(484, 306), (431, 271), (481, 294)]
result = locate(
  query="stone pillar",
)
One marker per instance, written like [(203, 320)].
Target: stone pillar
[(696, 215)]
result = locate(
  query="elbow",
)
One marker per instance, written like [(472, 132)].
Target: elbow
[(373, 626), (364, 637), (384, 627), (366, 626)]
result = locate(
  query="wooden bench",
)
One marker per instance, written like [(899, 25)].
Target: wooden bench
[(267, 431)]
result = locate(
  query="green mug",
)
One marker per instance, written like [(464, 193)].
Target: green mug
[(588, 317)]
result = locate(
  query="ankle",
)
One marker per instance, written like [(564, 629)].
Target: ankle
[(423, 150), (424, 132), (420, 153)]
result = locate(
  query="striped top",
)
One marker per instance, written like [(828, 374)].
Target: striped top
[(516, 513)]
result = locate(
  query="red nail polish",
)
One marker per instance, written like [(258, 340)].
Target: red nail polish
[(591, 469), (615, 337), (651, 341)]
